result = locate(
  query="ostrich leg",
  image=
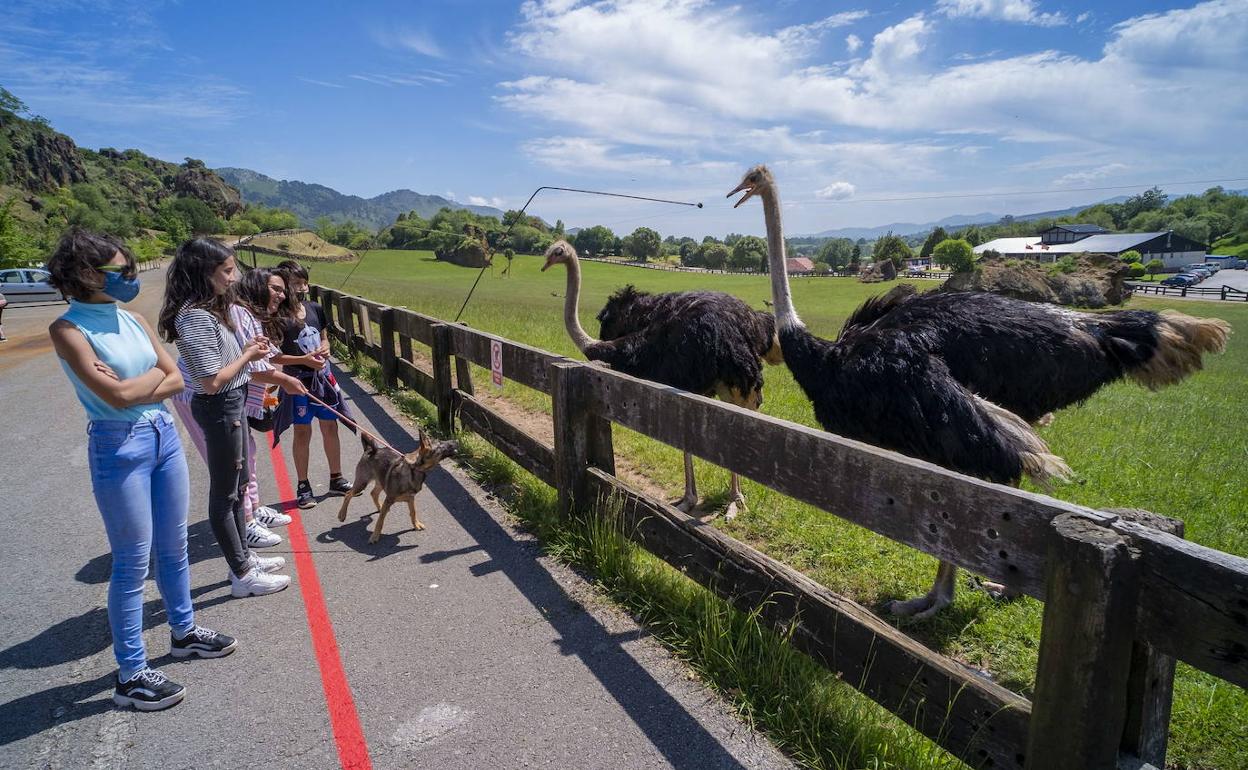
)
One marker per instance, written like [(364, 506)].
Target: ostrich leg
[(736, 500), (690, 500), (939, 597)]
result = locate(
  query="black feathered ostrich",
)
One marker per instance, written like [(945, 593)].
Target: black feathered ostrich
[(705, 342), (955, 377)]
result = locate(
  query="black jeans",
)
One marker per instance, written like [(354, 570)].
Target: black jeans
[(221, 418)]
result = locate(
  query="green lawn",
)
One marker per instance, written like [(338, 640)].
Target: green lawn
[(1180, 451)]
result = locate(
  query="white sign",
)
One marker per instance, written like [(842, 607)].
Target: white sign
[(496, 362)]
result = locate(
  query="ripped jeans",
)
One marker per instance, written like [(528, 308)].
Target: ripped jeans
[(221, 418)]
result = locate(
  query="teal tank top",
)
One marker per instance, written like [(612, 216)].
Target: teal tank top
[(119, 341)]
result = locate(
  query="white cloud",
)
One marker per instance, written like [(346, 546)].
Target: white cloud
[(1087, 176), (581, 154), (1081, 18), (322, 83), (400, 79), (450, 196), (478, 200), (416, 40), (853, 43), (807, 34), (837, 191), (894, 50), (1023, 11)]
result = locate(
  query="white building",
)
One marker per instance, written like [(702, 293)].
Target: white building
[(1172, 249)]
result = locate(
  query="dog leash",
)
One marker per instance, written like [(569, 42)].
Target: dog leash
[(349, 421)]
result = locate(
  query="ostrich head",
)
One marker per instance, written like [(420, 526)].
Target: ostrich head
[(754, 182), (560, 252)]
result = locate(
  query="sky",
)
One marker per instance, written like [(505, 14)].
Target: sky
[(867, 113)]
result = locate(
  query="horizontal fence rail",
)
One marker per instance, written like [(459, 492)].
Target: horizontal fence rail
[(1227, 293), (1125, 594)]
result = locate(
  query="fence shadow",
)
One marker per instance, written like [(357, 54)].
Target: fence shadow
[(678, 735)]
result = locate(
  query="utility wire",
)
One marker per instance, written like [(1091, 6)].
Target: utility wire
[(942, 196)]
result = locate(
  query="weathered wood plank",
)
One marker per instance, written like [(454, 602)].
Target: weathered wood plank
[(416, 379), (415, 325), (525, 450), (463, 375), (1080, 705), (442, 377), (389, 365), (522, 363), (979, 721), (567, 392), (992, 529), (1194, 602)]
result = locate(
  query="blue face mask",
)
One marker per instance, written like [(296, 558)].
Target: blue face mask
[(119, 287)]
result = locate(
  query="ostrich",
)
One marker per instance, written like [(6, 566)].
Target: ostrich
[(955, 378), (705, 342)]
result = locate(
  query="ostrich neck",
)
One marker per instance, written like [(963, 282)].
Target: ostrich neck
[(571, 307), (781, 297)]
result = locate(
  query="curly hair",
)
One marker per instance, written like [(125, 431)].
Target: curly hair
[(252, 293), (74, 266), (189, 282)]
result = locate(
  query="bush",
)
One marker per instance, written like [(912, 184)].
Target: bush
[(956, 253), (1154, 267), (1136, 270), (1130, 257)]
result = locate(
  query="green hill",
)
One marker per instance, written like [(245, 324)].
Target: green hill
[(312, 201)]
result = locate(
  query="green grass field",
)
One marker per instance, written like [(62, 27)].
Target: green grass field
[(1180, 452)]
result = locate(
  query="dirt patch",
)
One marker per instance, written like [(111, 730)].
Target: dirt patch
[(1089, 280)]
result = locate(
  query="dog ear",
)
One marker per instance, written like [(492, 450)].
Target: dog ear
[(425, 445), (370, 445)]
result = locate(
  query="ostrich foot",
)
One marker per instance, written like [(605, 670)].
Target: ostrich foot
[(999, 591), (734, 507), (686, 504), (919, 608)]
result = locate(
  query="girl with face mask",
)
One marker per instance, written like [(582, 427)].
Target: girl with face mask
[(121, 375), (196, 315)]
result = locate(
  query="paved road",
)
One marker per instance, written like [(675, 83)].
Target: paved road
[(456, 647), (1236, 279)]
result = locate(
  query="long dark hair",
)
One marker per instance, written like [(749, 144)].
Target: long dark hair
[(288, 270), (75, 265), (189, 282), (252, 293)]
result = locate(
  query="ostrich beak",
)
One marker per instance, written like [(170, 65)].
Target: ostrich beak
[(549, 261), (749, 188)]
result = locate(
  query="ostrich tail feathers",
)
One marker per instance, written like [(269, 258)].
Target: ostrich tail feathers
[(1181, 342), (1039, 463)]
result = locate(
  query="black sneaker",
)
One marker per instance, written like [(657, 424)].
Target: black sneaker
[(303, 495), (339, 486), (148, 690), (202, 642)]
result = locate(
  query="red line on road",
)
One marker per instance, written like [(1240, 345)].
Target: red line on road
[(352, 748)]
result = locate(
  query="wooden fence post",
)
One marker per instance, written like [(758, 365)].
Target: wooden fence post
[(366, 326), (567, 392), (1091, 593), (463, 375), (389, 366), (346, 318), (442, 376)]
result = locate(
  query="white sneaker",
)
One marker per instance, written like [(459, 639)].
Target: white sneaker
[(267, 563), (257, 583), (270, 517), (258, 536)]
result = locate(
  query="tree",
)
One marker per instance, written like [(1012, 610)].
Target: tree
[(17, 247), (956, 253), (893, 248), (1154, 267), (10, 103), (1135, 270), (643, 244), (837, 253), (713, 255), (1129, 257), (933, 238), (196, 214), (1149, 200), (749, 251), (595, 241)]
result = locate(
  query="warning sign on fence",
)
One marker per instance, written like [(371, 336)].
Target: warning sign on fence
[(496, 362)]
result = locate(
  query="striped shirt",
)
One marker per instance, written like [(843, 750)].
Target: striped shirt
[(207, 346), (246, 328)]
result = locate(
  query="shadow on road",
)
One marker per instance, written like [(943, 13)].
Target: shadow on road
[(677, 734)]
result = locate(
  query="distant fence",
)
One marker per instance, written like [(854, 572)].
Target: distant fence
[(1124, 594), (706, 270), (1226, 293)]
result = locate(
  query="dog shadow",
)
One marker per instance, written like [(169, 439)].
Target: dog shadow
[(355, 535)]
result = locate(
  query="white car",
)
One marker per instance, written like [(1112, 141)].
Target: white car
[(27, 284)]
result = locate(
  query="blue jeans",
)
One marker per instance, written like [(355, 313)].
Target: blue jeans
[(139, 477)]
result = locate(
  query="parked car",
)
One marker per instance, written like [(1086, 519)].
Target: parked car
[(1201, 269), (1179, 279), (1214, 266), (24, 284)]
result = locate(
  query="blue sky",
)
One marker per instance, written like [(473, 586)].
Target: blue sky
[(848, 103)]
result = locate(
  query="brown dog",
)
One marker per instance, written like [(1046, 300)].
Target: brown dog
[(399, 476)]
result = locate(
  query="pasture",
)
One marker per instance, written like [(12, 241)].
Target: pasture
[(1178, 452)]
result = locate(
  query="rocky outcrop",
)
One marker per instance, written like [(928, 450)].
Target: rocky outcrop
[(469, 253), (194, 180), (879, 271), (46, 161), (1093, 281)]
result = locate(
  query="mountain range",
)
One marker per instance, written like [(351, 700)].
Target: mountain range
[(957, 220), (310, 201)]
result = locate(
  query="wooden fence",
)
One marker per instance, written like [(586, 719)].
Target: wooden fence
[(1228, 293), (1124, 594)]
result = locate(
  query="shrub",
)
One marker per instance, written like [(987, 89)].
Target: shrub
[(956, 253), (1136, 270), (1154, 266)]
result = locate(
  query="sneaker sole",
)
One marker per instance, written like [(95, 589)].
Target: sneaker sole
[(186, 652), (145, 705), (263, 545), (307, 504), (271, 524), (254, 592)]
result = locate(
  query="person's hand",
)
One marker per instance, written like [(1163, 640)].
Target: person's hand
[(294, 387), (324, 348), (314, 361), (106, 370), (256, 349)]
